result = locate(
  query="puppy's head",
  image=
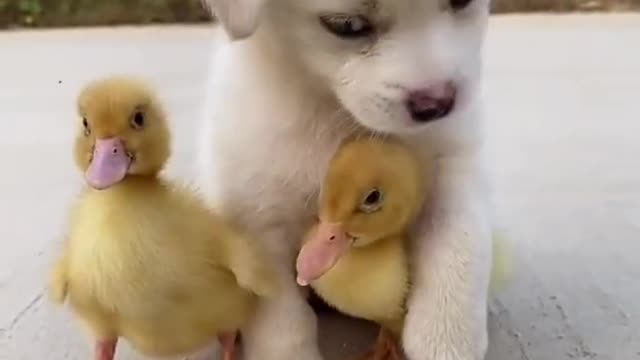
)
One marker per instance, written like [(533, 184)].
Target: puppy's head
[(396, 65)]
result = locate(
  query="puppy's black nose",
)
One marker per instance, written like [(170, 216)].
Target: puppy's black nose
[(431, 103)]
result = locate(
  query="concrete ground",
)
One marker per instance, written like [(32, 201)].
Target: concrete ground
[(564, 120)]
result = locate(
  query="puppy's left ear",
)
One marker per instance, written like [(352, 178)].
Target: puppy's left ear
[(240, 18)]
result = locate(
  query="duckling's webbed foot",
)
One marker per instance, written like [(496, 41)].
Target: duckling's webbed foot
[(228, 342), (106, 349), (385, 348)]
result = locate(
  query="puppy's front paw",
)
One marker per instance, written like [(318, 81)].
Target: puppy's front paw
[(424, 342), (279, 346)]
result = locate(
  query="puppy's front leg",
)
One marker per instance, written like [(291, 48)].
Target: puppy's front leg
[(285, 326), (448, 306)]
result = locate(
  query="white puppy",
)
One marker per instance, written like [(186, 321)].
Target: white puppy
[(303, 75)]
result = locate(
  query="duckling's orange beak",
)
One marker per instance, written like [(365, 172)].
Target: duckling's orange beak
[(322, 250), (109, 164)]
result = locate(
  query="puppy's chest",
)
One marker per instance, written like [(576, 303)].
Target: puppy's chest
[(283, 169)]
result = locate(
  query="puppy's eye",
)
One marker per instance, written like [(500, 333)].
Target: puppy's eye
[(347, 26), (372, 201), (85, 125), (457, 5), (137, 121)]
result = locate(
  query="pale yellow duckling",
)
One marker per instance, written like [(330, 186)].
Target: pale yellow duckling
[(355, 257), (145, 259)]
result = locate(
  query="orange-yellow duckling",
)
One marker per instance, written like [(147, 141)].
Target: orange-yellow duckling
[(355, 258), (145, 259)]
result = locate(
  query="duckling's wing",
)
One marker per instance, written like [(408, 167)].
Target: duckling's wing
[(228, 247), (248, 264)]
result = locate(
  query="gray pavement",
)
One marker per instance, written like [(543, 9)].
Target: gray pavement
[(564, 124)]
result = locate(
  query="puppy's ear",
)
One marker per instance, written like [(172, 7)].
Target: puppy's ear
[(240, 18)]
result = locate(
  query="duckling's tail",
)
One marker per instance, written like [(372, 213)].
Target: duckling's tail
[(58, 285), (502, 263)]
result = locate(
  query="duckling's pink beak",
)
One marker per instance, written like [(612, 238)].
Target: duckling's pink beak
[(322, 250), (109, 164)]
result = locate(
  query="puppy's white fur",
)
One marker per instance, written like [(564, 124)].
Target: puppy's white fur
[(282, 100)]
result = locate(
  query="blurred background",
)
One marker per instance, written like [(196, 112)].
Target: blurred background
[(51, 13), (562, 83)]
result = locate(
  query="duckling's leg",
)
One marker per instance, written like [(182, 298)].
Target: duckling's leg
[(228, 342), (388, 346), (385, 348), (106, 349)]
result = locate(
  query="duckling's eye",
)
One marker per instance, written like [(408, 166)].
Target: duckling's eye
[(372, 201), (137, 122), (347, 26), (85, 125)]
